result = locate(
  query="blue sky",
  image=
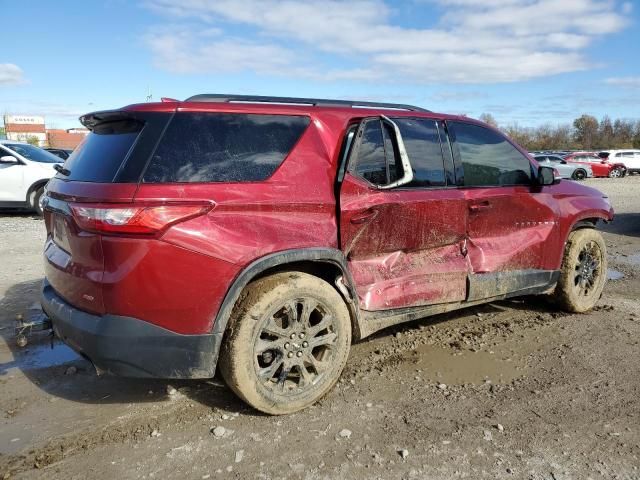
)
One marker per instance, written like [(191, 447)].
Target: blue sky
[(525, 61)]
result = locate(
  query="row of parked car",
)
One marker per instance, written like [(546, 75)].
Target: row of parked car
[(24, 171), (581, 165)]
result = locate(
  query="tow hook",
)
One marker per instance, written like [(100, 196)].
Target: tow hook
[(36, 321)]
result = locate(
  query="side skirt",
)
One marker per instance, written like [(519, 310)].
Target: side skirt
[(14, 205), (371, 322)]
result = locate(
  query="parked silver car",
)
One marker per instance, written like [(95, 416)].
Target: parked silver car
[(566, 169)]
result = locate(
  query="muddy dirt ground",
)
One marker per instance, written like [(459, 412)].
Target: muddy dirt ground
[(514, 389)]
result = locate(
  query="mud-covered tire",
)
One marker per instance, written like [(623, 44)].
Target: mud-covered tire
[(583, 273), (579, 175), (276, 323)]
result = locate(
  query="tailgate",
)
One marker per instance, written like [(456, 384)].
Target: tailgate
[(74, 260)]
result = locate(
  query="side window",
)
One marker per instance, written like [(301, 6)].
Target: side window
[(372, 162), (223, 147), (422, 141), (378, 160), (488, 159)]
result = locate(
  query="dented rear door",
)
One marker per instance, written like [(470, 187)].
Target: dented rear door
[(404, 246)]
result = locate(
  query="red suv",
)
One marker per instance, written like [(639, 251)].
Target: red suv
[(600, 166), (265, 235)]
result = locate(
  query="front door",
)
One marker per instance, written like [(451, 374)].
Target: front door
[(405, 246), (12, 188), (512, 225)]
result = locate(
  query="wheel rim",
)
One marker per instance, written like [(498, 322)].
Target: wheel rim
[(615, 172), (295, 346), (588, 269), (579, 175)]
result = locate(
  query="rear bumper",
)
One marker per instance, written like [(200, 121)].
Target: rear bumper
[(130, 347)]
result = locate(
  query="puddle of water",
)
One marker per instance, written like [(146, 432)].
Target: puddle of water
[(630, 259), (40, 356), (614, 274), (441, 365)]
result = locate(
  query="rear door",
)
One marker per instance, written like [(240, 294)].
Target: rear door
[(404, 246), (631, 160), (512, 225)]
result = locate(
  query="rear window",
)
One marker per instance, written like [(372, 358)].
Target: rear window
[(215, 147), (102, 152)]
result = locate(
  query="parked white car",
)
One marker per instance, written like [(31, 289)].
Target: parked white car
[(24, 172), (630, 158)]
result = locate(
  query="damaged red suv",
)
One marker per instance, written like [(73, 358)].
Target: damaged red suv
[(262, 236)]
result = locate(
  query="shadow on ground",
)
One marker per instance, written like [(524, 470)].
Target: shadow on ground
[(48, 368)]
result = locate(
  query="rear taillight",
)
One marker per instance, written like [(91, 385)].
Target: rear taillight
[(134, 219)]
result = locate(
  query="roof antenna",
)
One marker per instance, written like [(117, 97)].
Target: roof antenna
[(149, 95)]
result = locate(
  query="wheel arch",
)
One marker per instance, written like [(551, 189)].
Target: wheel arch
[(580, 169), (590, 222), (34, 187), (326, 263)]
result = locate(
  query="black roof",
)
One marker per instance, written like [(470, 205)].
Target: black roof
[(316, 102)]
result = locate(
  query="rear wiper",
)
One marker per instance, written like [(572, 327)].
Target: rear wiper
[(60, 169)]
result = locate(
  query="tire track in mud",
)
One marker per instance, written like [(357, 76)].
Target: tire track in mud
[(186, 412), (473, 330), (387, 350)]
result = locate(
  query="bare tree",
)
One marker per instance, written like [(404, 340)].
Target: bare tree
[(489, 120)]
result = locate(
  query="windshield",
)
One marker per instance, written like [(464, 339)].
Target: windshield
[(33, 153)]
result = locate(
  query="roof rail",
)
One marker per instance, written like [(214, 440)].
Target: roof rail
[(316, 102)]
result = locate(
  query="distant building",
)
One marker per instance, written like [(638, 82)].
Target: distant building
[(22, 127), (69, 139)]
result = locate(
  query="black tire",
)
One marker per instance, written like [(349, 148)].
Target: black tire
[(287, 342), (579, 174), (35, 200), (583, 273), (616, 173)]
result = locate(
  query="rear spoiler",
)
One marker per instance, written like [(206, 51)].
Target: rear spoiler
[(90, 120)]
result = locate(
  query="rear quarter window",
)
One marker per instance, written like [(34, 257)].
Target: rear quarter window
[(216, 147), (102, 152)]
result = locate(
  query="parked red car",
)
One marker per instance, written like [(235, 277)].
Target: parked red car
[(264, 235), (601, 167)]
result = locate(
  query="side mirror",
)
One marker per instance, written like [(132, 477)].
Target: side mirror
[(407, 171), (548, 176), (9, 159)]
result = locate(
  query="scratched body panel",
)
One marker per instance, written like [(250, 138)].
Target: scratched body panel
[(516, 231), (409, 253)]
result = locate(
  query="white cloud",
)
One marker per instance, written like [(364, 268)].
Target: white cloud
[(11, 74), (628, 82), (473, 42)]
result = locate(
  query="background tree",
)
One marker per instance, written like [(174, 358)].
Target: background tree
[(488, 119), (33, 140), (606, 130), (636, 136), (623, 133), (586, 131)]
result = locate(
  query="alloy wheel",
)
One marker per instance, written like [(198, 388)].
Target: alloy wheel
[(295, 346), (588, 268)]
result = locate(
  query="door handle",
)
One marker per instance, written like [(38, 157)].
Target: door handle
[(478, 207), (365, 216)]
